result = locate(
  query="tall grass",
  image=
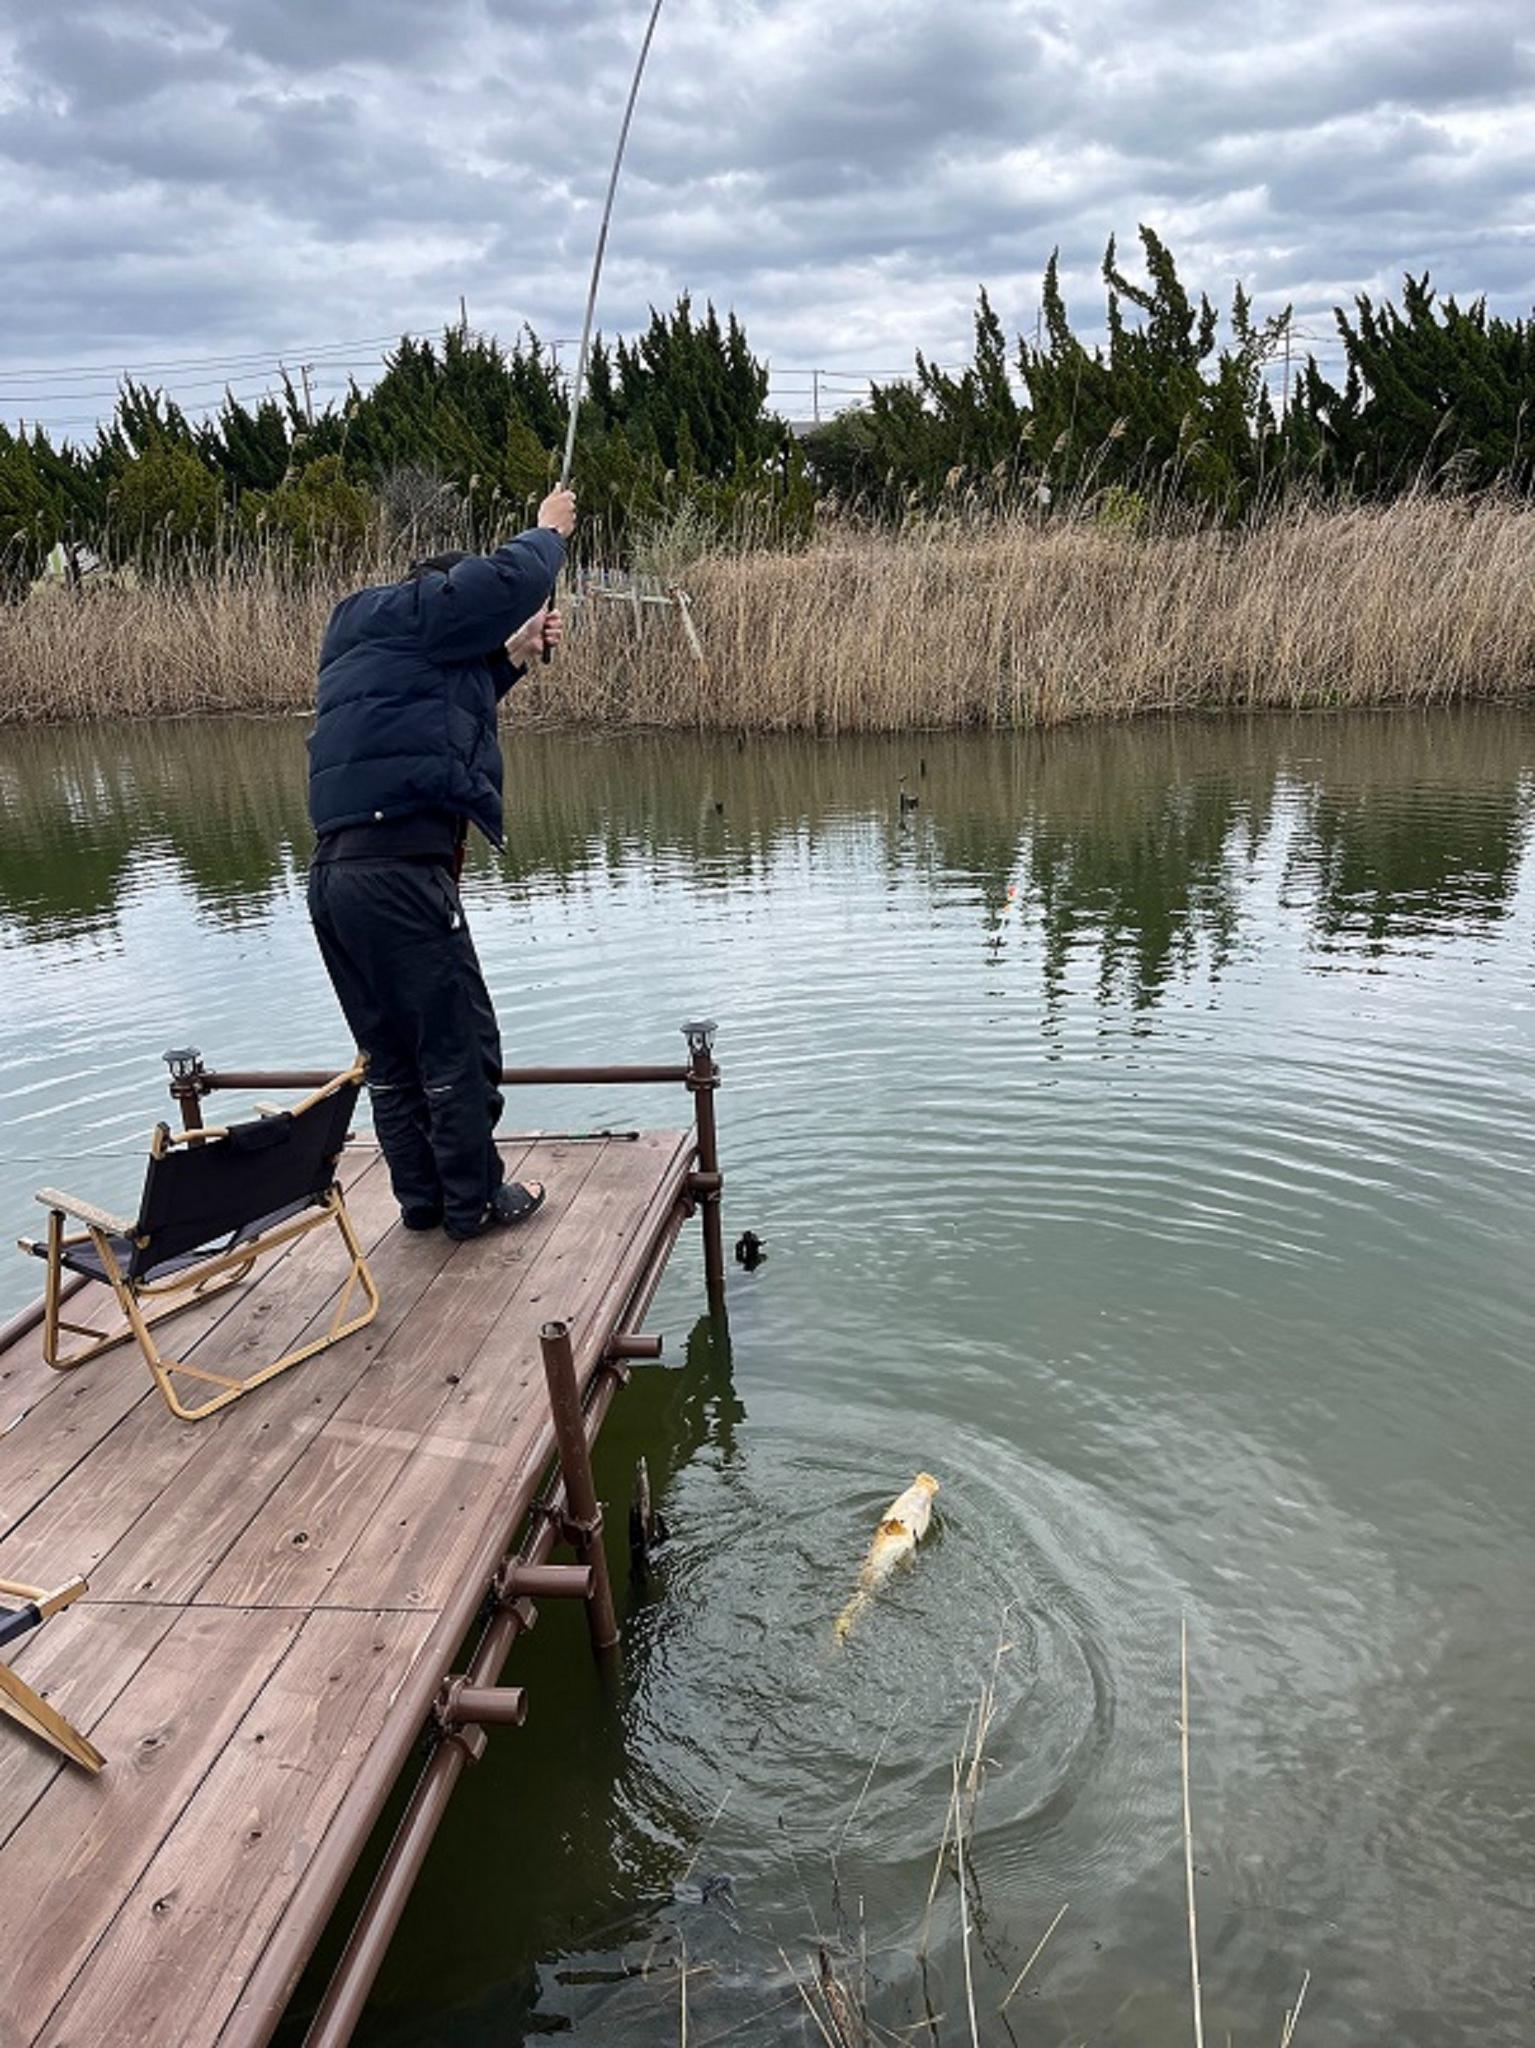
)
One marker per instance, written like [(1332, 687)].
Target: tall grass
[(1012, 623)]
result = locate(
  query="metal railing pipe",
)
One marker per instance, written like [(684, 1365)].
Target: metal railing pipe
[(546, 1582), (635, 1347), (583, 1525), (650, 1279), (212, 1078), (347, 1993), (484, 1706)]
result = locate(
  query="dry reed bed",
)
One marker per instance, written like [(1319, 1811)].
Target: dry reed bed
[(1423, 602)]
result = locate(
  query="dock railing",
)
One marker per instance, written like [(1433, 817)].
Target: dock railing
[(191, 1081)]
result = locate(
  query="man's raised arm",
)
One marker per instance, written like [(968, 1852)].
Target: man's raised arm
[(480, 604)]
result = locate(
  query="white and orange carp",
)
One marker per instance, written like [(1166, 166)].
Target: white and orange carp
[(902, 1527)]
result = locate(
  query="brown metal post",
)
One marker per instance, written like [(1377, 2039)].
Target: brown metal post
[(703, 1080), (583, 1514)]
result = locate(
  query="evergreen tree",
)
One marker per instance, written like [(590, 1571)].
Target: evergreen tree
[(459, 438), (1435, 394)]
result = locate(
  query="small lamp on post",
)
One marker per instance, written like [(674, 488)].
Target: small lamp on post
[(186, 1068), (700, 1037)]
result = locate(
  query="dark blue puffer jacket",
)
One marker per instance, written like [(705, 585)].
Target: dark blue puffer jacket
[(410, 676)]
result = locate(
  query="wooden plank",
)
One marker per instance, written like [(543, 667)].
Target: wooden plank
[(81, 1849), (175, 1958), (79, 1662), (182, 1534), (414, 1554), (90, 1510), (63, 1416), (488, 1403), (293, 1548)]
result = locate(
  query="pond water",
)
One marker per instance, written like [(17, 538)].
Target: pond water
[(1178, 1218)]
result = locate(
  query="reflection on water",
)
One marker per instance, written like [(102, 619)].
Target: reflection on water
[(1178, 1217), (1141, 839)]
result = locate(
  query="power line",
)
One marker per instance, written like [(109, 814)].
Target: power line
[(335, 356), (195, 398), (16, 398), (310, 353), (787, 382), (238, 392), (244, 393)]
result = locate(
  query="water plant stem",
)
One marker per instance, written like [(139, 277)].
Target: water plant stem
[(1039, 1949), (1292, 2017), (964, 1911), (1188, 1834)]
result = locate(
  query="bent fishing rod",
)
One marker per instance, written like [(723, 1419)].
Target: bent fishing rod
[(578, 382)]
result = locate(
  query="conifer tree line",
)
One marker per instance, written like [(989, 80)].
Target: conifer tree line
[(454, 445), (458, 439), (1166, 413)]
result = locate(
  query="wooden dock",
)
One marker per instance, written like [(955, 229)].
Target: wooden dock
[(278, 1594)]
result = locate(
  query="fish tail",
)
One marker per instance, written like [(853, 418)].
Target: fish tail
[(850, 1614)]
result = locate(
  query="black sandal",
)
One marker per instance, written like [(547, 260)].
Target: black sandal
[(514, 1203), (511, 1203)]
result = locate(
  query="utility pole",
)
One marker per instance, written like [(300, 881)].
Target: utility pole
[(1285, 408), (304, 370), (815, 395)]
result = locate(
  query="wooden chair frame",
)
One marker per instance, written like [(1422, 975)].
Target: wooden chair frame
[(193, 1283), (28, 1709)]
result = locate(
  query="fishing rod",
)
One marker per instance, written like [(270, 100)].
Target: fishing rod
[(578, 383)]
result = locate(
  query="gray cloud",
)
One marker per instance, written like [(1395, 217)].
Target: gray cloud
[(195, 180)]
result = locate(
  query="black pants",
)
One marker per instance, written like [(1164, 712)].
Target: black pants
[(404, 969)]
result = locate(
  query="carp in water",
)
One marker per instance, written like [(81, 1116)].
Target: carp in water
[(902, 1527)]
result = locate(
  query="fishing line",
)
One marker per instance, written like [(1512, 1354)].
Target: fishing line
[(34, 1159), (578, 382)]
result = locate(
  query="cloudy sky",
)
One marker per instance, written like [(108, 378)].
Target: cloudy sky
[(196, 189)]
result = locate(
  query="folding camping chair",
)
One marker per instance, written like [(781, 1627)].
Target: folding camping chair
[(214, 1202), (18, 1702)]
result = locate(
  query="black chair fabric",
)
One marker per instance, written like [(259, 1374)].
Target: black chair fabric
[(232, 1187), (84, 1258)]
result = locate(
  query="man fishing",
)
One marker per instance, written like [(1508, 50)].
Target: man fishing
[(403, 758)]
